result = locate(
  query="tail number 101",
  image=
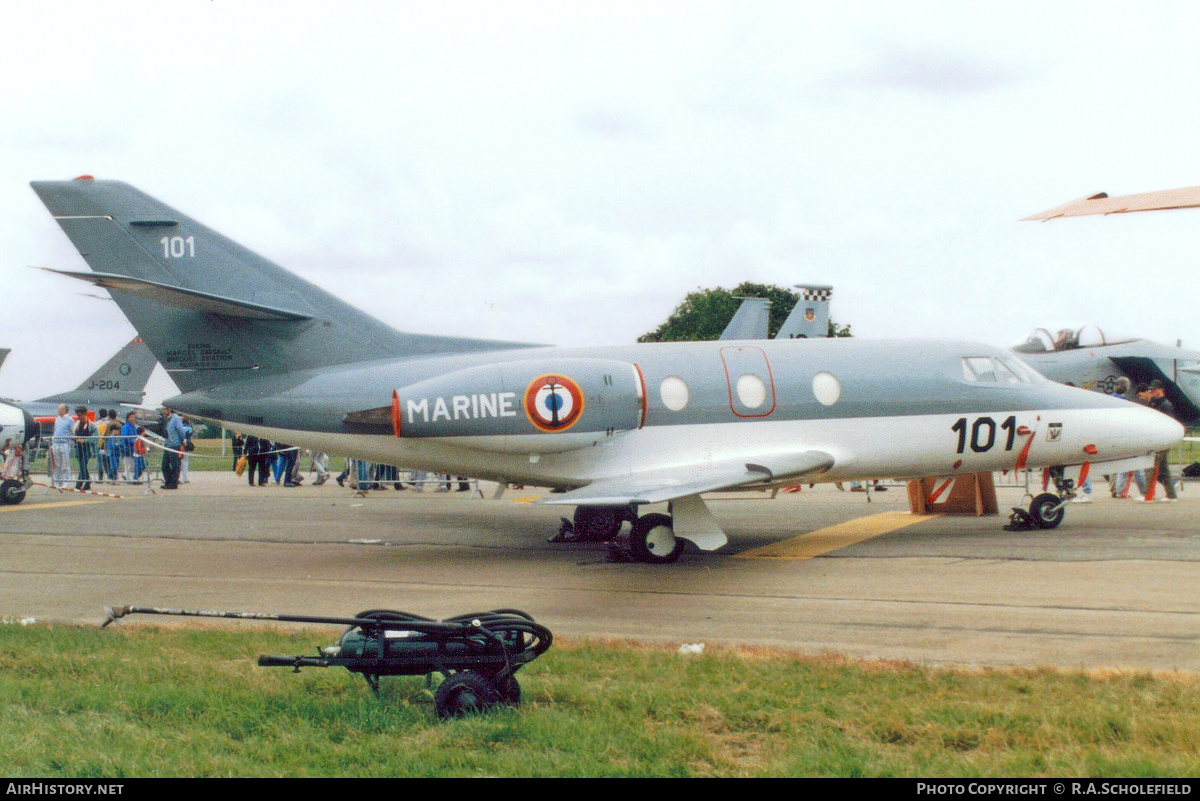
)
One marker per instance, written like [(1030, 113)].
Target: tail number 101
[(176, 247), (983, 433)]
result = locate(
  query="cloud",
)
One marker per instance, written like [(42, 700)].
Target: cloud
[(929, 72)]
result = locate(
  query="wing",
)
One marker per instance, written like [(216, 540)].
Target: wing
[(670, 483), (1185, 198)]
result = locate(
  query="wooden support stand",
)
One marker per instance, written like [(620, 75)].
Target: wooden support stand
[(973, 494)]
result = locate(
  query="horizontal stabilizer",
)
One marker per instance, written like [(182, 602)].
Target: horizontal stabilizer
[(181, 298), (656, 486)]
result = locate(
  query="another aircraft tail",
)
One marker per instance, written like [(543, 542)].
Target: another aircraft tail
[(810, 315), (750, 321), (122, 378), (207, 306)]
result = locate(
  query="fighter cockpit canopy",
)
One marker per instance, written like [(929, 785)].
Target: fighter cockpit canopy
[(1089, 336)]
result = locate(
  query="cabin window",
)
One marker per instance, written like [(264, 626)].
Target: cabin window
[(751, 391), (826, 388), (674, 393)]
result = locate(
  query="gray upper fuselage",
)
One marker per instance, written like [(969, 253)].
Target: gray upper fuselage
[(894, 378)]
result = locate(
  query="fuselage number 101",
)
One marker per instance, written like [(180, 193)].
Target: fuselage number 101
[(983, 433)]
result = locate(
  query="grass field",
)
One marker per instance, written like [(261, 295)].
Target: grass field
[(135, 701)]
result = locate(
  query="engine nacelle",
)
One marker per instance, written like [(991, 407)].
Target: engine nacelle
[(15, 425), (540, 406)]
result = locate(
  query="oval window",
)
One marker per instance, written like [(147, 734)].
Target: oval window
[(674, 392), (826, 388), (751, 391)]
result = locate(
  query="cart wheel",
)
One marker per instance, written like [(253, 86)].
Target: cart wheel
[(1043, 510), (510, 690), (464, 693), (12, 491)]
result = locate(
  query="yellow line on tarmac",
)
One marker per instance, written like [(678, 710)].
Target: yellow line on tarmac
[(824, 540), (51, 504)]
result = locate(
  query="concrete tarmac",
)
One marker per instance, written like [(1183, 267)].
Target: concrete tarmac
[(1117, 585)]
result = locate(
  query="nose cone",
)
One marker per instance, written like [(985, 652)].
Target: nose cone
[(1158, 431)]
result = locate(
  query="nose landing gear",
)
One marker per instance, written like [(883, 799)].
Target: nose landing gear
[(1046, 510)]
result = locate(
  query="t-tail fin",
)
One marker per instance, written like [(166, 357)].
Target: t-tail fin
[(207, 306)]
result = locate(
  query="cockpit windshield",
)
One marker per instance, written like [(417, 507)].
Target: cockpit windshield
[(1089, 336), (997, 370)]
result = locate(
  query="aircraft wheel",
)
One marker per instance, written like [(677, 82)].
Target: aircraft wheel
[(1044, 512), (597, 523), (653, 540), (12, 491), (463, 694)]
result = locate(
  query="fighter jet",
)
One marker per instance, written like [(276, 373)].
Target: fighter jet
[(1089, 357), (1093, 359), (257, 349), (120, 381)]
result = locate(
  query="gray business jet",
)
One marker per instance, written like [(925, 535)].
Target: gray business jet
[(255, 348), (1095, 359)]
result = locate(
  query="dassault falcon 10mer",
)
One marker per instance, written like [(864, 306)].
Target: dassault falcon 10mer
[(257, 349)]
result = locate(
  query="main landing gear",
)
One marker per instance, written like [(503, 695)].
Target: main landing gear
[(1046, 510), (651, 538)]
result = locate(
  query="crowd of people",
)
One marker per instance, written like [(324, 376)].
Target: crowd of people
[(263, 460), (117, 448), (267, 459)]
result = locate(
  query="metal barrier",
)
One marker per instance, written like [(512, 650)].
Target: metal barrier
[(95, 461)]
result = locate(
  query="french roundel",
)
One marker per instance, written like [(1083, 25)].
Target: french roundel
[(553, 402)]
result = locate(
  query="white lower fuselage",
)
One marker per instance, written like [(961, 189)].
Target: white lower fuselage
[(863, 448)]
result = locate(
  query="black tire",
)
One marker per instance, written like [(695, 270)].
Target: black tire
[(509, 689), (12, 491), (1044, 512), (465, 693), (653, 540), (597, 523)]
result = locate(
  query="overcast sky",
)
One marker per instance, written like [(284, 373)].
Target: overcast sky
[(566, 172)]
